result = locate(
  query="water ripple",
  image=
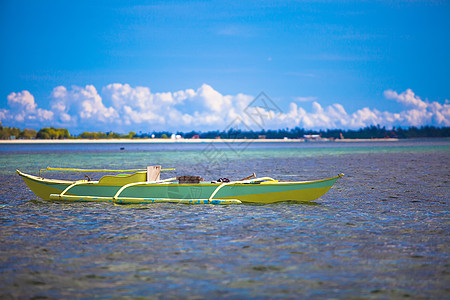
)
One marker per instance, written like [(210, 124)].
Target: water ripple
[(386, 238)]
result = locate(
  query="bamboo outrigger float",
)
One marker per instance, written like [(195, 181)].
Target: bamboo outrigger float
[(145, 186)]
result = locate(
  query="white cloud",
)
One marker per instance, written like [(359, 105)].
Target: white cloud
[(139, 105), (305, 99), (212, 99), (421, 112), (418, 113), (121, 107), (90, 105), (81, 106), (407, 97), (23, 101), (23, 108), (366, 117), (4, 114)]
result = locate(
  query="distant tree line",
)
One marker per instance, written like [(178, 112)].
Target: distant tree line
[(53, 133), (294, 133), (107, 135), (12, 132), (44, 133)]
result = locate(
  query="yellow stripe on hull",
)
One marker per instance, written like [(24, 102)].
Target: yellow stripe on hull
[(303, 195)]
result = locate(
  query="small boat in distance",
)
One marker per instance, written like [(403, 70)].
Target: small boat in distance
[(145, 186)]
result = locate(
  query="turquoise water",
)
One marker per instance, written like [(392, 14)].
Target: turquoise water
[(386, 236)]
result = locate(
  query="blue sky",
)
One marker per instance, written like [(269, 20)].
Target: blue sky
[(182, 65)]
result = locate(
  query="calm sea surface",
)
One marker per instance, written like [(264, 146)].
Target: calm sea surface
[(383, 235)]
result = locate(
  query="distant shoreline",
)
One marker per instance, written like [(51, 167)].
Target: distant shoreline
[(182, 141)]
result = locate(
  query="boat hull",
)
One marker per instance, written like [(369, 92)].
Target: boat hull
[(265, 192)]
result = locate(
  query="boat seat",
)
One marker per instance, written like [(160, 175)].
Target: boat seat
[(122, 179)]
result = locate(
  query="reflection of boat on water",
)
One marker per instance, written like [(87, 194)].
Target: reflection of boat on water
[(145, 186)]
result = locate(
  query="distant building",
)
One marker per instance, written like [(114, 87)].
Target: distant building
[(262, 137), (312, 137), (195, 137)]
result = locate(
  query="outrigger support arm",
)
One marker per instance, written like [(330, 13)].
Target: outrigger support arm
[(139, 183), (120, 190), (75, 184), (236, 182)]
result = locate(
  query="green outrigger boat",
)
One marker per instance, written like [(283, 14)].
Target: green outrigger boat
[(145, 186)]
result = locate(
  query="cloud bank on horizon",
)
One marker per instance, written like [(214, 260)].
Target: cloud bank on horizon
[(121, 108)]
